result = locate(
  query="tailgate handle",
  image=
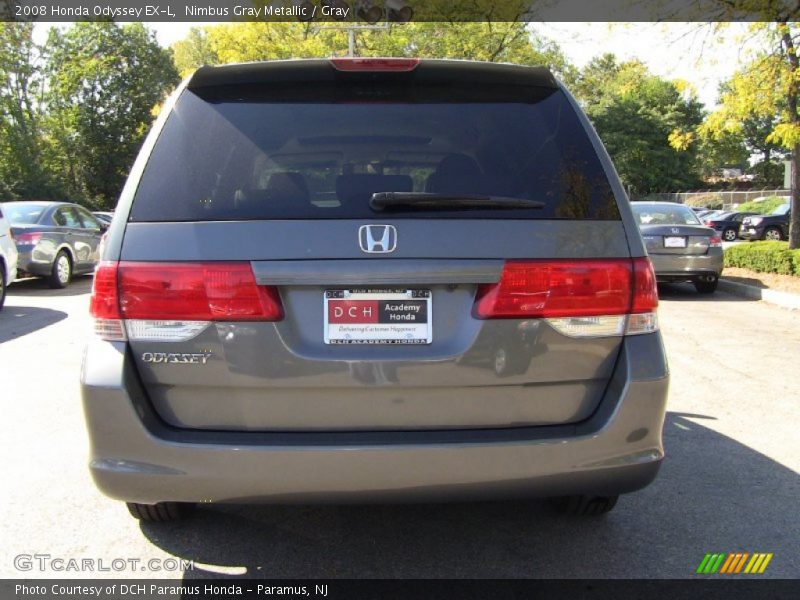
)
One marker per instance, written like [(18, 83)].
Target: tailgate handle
[(376, 271)]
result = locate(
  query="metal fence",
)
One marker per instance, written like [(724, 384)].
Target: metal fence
[(714, 198)]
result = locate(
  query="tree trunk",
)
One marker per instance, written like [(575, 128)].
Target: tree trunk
[(794, 118), (794, 220)]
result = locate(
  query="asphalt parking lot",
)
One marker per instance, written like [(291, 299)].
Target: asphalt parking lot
[(729, 483)]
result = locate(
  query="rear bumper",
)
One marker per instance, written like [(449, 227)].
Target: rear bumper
[(137, 458), (34, 262), (752, 233), (674, 267)]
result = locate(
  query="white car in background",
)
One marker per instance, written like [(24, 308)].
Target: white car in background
[(8, 257)]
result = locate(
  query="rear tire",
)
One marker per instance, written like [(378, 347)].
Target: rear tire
[(773, 234), (162, 512), (706, 287), (584, 505), (730, 234), (61, 273)]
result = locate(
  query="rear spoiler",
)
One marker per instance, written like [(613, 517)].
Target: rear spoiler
[(439, 72)]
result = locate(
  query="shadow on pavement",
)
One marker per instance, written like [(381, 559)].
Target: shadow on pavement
[(82, 284), (712, 495), (685, 292), (17, 321), (748, 281)]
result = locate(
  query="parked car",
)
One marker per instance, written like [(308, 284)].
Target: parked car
[(774, 226), (509, 353), (365, 224), (103, 216), (727, 224), (55, 240), (709, 214), (681, 247), (8, 257)]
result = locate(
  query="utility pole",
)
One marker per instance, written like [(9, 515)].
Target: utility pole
[(352, 30), (377, 14)]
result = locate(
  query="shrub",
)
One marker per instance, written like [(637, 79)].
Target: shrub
[(764, 207), (710, 200), (764, 257)]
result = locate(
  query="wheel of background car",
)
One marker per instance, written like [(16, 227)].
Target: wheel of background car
[(2, 285), (773, 233), (61, 274), (729, 235), (509, 362), (500, 362), (706, 287)]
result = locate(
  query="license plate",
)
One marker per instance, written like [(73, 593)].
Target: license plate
[(674, 242), (362, 316)]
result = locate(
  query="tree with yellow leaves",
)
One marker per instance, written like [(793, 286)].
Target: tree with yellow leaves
[(768, 87)]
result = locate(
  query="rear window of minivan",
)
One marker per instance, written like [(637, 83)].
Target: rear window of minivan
[(241, 154)]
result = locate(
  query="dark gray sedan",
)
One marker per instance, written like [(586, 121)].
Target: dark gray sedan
[(55, 240), (680, 247)]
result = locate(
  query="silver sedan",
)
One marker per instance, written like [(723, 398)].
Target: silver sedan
[(681, 248)]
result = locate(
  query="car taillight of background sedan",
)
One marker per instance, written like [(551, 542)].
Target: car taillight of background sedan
[(28, 239)]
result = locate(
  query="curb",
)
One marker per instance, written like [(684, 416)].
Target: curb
[(784, 299)]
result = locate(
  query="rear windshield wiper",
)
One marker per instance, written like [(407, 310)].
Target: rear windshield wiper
[(387, 200)]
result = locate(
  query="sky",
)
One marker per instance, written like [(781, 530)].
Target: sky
[(688, 51)]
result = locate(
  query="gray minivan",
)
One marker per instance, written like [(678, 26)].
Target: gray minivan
[(318, 266)]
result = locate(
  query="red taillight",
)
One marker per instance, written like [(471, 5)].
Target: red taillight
[(104, 303), (563, 288), (175, 301), (375, 64), (715, 241), (31, 238), (710, 223), (569, 288), (645, 289), (223, 291)]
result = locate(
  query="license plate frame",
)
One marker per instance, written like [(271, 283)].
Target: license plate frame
[(369, 319), (674, 241)]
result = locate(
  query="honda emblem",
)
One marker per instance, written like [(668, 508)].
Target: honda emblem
[(377, 239)]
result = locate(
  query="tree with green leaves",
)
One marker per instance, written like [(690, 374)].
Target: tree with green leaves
[(193, 51), (22, 171), (647, 123), (249, 41), (104, 82), (715, 154)]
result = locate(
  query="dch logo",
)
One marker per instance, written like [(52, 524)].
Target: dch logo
[(352, 312)]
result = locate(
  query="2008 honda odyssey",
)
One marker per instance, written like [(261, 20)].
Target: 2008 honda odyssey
[(373, 279)]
